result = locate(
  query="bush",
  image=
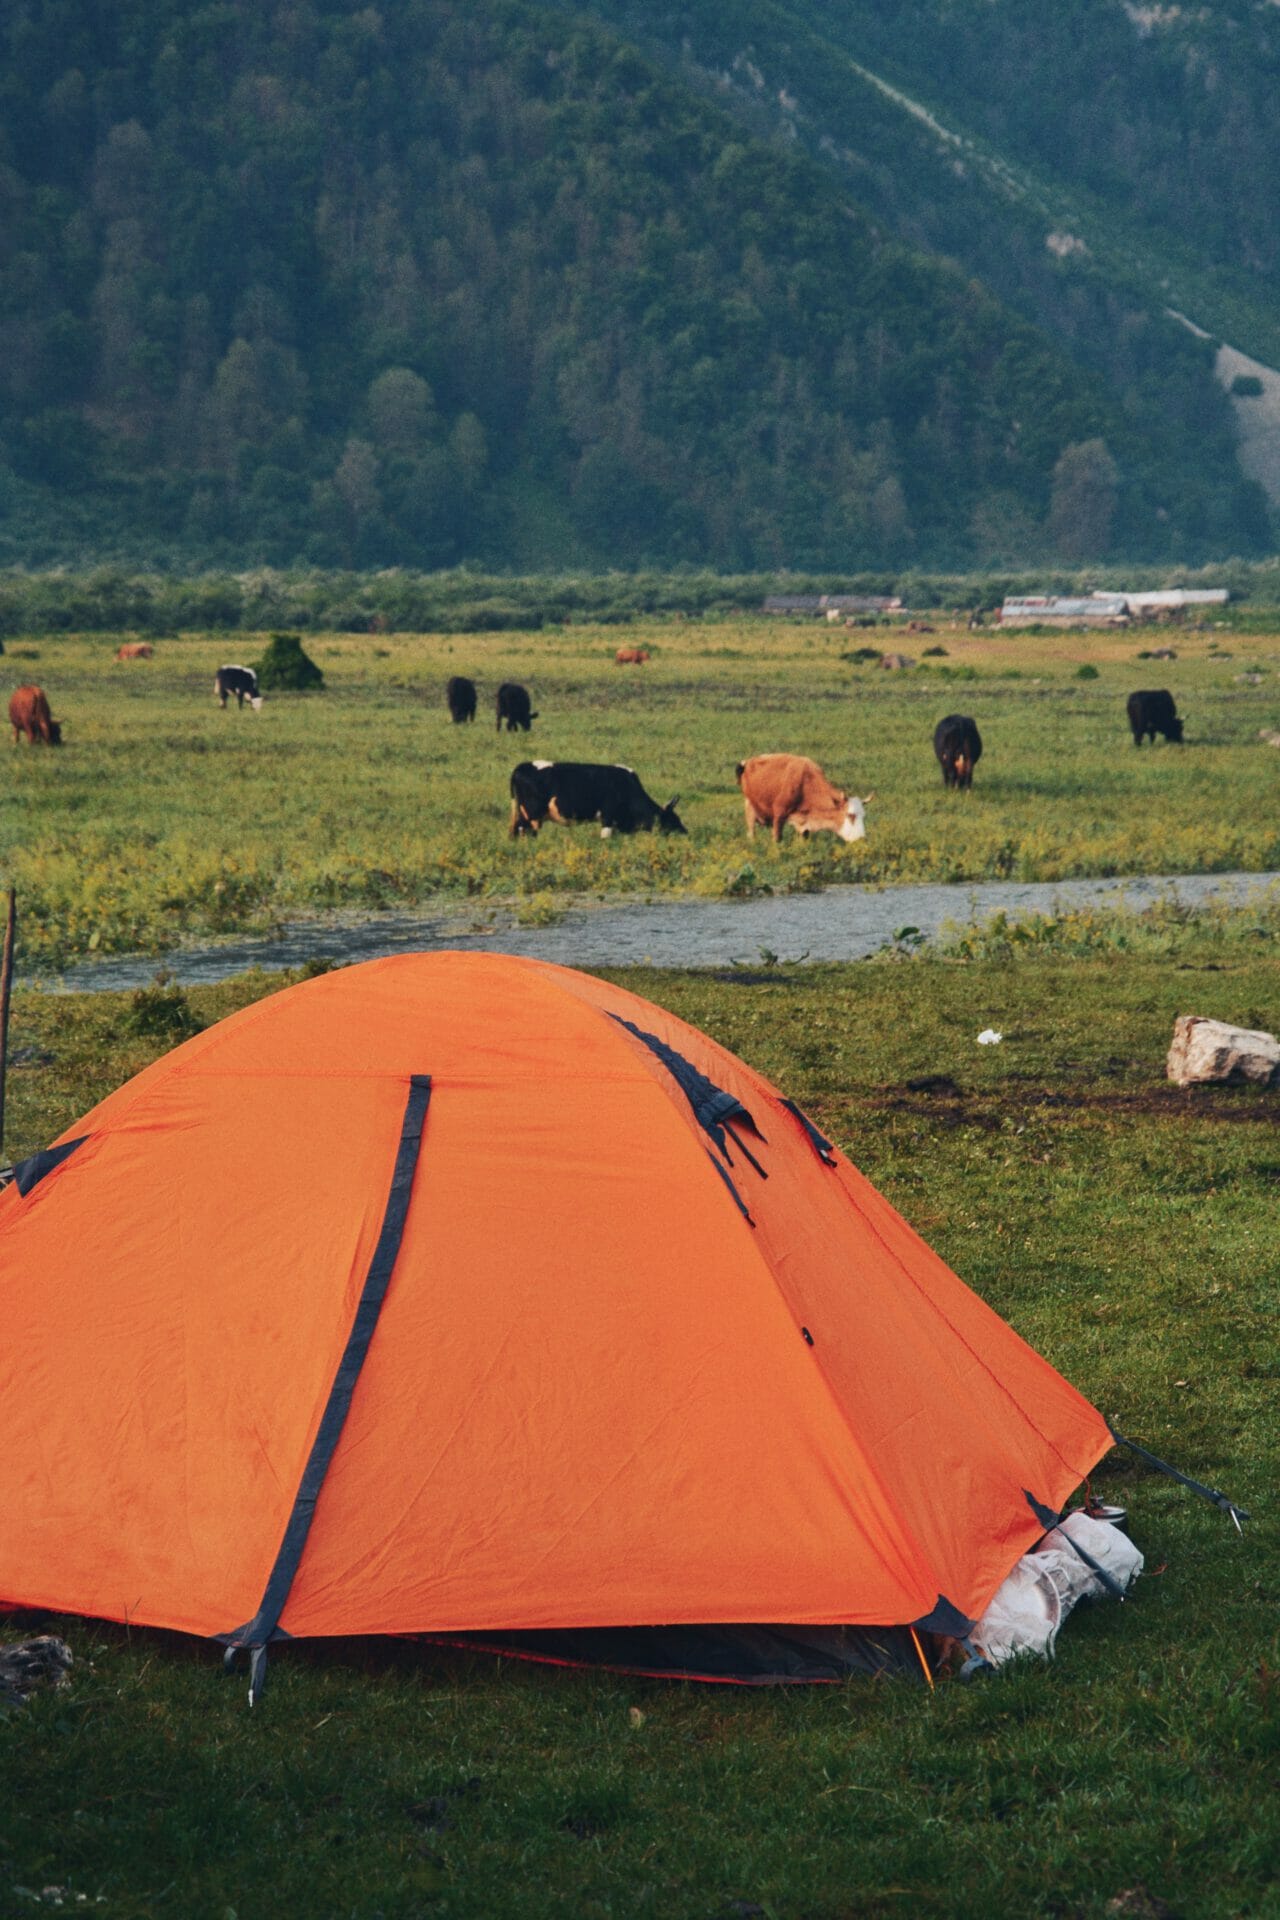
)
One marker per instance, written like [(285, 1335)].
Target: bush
[(1086, 672), (491, 616), (285, 667), (162, 1011)]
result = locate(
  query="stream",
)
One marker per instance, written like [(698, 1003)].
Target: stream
[(843, 923)]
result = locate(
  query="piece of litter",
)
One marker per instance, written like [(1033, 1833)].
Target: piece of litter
[(989, 1037)]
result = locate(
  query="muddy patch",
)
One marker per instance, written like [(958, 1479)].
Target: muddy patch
[(936, 1097)]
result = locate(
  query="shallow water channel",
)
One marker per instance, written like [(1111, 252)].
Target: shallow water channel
[(844, 923)]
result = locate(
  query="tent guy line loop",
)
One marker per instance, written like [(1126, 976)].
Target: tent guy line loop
[(818, 1141), (1219, 1500), (738, 1200)]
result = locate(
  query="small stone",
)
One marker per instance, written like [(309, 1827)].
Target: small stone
[(44, 1661), (1139, 1903)]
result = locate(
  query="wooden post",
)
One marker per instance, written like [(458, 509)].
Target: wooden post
[(6, 986)]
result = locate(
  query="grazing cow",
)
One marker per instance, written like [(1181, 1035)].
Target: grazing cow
[(782, 787), (630, 656), (958, 745), (242, 681), (461, 696), (29, 713), (135, 650), (1152, 712), (571, 790), (513, 707)]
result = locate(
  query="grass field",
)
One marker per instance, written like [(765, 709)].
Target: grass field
[(1126, 1229), (164, 817)]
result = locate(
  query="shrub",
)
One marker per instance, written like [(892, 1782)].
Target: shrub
[(285, 667), (493, 616), (162, 1011), (1086, 672)]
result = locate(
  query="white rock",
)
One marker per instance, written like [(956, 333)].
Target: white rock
[(1211, 1050)]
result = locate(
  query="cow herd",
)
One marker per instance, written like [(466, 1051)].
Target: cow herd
[(778, 789)]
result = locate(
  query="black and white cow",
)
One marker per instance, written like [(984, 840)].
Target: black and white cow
[(513, 707), (958, 745), (573, 790), (461, 697), (242, 681), (1152, 712)]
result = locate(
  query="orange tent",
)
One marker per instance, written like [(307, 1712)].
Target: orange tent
[(464, 1294)]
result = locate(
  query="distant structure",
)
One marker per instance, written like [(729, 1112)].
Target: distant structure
[(1149, 606), (830, 605), (1105, 609), (1050, 610)]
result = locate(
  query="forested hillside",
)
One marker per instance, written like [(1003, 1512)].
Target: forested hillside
[(1095, 166), (1168, 110), (287, 281)]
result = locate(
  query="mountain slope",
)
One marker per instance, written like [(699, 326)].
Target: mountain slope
[(424, 285), (957, 127)]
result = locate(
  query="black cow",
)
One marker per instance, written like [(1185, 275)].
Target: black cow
[(242, 681), (958, 745), (572, 790), (461, 696), (513, 707), (1152, 712)]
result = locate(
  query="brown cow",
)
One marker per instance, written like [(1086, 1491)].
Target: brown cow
[(29, 714), (782, 787), (135, 650), (630, 656)]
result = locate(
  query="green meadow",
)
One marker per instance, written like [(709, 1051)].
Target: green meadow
[(164, 818), (1127, 1230)]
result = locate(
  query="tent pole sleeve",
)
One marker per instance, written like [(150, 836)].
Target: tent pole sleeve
[(265, 1624)]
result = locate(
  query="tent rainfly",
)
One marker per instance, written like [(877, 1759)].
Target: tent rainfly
[(467, 1296)]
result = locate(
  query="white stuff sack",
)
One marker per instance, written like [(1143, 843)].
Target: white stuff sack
[(1114, 1552), (1029, 1606), (1024, 1614)]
